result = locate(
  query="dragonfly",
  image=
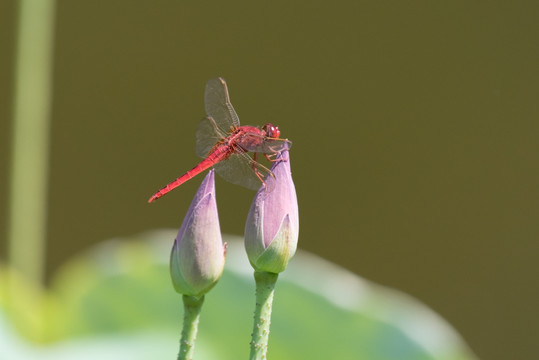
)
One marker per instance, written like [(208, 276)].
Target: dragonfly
[(225, 144)]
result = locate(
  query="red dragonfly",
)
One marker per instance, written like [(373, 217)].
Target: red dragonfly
[(220, 137)]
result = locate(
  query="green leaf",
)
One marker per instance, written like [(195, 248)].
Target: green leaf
[(117, 301)]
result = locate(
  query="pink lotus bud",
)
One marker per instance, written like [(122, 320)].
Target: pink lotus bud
[(198, 254), (271, 231)]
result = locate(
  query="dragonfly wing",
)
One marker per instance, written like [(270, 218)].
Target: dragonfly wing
[(272, 146), (218, 106), (239, 169), (208, 134)]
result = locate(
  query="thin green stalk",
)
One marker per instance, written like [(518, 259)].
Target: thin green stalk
[(265, 285), (30, 139), (192, 307), (27, 203)]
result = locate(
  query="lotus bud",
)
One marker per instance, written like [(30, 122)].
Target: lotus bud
[(198, 254), (271, 231)]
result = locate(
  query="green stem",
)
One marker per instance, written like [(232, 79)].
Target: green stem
[(265, 285), (27, 203), (192, 307), (30, 140)]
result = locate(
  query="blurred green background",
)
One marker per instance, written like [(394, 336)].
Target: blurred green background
[(415, 131)]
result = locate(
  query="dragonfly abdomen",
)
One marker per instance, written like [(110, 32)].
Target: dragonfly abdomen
[(221, 153)]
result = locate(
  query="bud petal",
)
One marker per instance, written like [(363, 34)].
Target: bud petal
[(271, 231), (198, 255)]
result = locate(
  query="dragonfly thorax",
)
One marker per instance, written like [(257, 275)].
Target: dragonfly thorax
[(246, 138)]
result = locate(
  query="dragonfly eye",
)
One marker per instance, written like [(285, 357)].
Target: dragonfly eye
[(271, 131)]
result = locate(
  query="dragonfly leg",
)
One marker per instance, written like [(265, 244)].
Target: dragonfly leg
[(271, 157), (257, 173)]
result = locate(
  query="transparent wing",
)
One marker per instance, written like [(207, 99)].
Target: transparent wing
[(208, 134), (218, 106), (271, 145), (239, 169)]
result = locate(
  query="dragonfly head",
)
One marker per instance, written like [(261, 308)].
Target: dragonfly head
[(271, 131)]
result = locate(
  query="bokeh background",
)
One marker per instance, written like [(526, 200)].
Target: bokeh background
[(415, 130)]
